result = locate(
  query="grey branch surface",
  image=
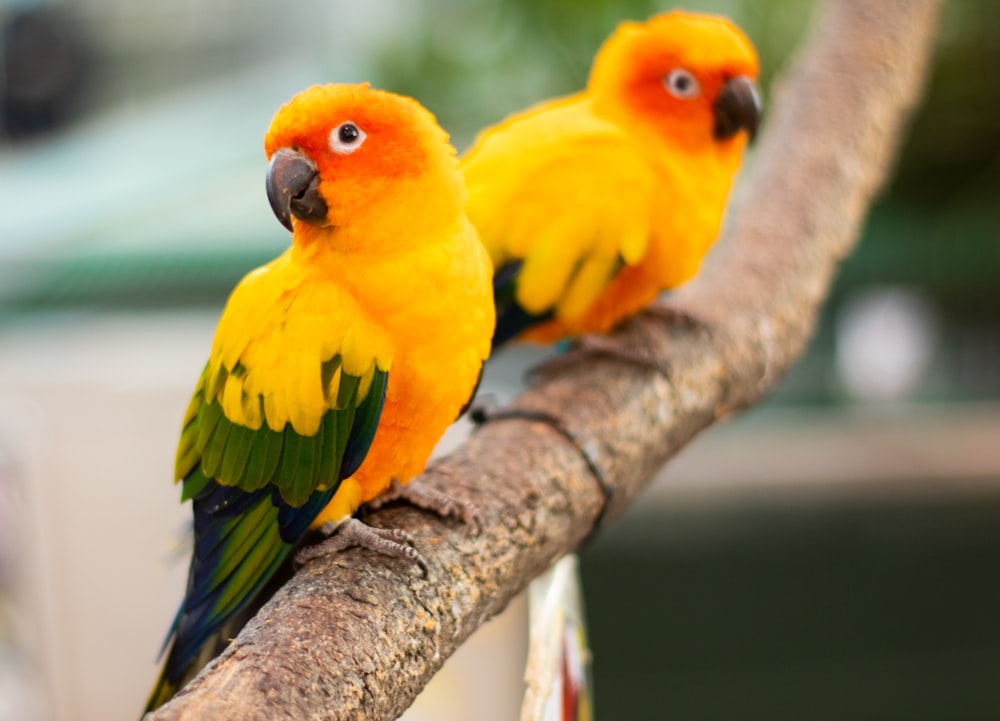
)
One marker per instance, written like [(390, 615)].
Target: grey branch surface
[(355, 636)]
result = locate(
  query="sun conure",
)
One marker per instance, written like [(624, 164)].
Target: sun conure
[(592, 204), (337, 366)]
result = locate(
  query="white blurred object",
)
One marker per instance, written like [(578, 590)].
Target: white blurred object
[(21, 695), (885, 343), (8, 519), (558, 669)]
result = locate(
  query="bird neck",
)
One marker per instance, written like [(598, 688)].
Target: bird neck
[(332, 246)]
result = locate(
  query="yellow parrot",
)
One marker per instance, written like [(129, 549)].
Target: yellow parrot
[(337, 366), (590, 205)]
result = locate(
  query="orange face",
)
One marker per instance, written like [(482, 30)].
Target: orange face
[(670, 72), (351, 149)]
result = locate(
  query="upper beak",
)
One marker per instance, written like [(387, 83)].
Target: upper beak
[(737, 108), (293, 188)]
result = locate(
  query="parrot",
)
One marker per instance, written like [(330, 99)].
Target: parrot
[(592, 204), (336, 367)]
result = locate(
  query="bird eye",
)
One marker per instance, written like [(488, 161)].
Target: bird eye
[(682, 84), (346, 138)]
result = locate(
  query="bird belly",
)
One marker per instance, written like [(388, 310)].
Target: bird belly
[(417, 411), (441, 345)]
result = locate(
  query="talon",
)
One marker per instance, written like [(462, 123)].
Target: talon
[(430, 499), (392, 542)]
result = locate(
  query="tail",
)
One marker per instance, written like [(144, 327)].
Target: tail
[(171, 680), (512, 319), (163, 691), (242, 555)]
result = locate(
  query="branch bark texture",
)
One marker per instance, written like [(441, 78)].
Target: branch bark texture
[(354, 636)]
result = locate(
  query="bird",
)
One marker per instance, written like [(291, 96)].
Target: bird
[(336, 367), (592, 204)]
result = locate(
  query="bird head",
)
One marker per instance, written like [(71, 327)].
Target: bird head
[(685, 76), (350, 157)]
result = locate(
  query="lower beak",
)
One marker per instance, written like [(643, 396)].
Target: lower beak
[(737, 108), (293, 188)]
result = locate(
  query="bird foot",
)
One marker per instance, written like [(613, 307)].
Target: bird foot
[(431, 500), (392, 542)]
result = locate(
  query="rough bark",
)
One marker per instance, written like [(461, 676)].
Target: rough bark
[(355, 636)]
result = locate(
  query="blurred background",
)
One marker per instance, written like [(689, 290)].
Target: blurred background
[(834, 553)]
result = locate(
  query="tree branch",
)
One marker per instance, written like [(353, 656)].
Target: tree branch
[(356, 637)]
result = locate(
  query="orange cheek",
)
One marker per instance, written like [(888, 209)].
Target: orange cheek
[(651, 99)]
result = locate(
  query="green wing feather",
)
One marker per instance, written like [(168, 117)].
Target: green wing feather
[(255, 492)]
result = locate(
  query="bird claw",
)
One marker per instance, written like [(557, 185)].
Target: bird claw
[(430, 499), (392, 542)]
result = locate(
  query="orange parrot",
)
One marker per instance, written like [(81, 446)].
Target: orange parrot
[(592, 204), (336, 367)]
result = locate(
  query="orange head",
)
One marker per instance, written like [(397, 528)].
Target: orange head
[(680, 75), (352, 158)]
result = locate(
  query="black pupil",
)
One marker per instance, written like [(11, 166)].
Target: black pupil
[(348, 133), (682, 82)]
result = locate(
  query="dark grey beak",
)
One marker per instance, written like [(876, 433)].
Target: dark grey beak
[(737, 108), (293, 188)]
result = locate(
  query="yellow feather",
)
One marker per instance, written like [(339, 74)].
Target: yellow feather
[(366, 384), (330, 397), (344, 503), (551, 263), (275, 420), (586, 285), (354, 351), (232, 399), (252, 410), (309, 401)]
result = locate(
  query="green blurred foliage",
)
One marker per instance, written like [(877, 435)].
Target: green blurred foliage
[(475, 62), (937, 225), (934, 231), (953, 147)]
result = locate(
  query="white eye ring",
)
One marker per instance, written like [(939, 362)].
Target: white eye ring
[(681, 84), (346, 138)]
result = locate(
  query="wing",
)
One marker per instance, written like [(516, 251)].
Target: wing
[(562, 200), (266, 441)]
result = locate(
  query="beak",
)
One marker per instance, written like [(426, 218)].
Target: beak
[(737, 108), (293, 188)]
